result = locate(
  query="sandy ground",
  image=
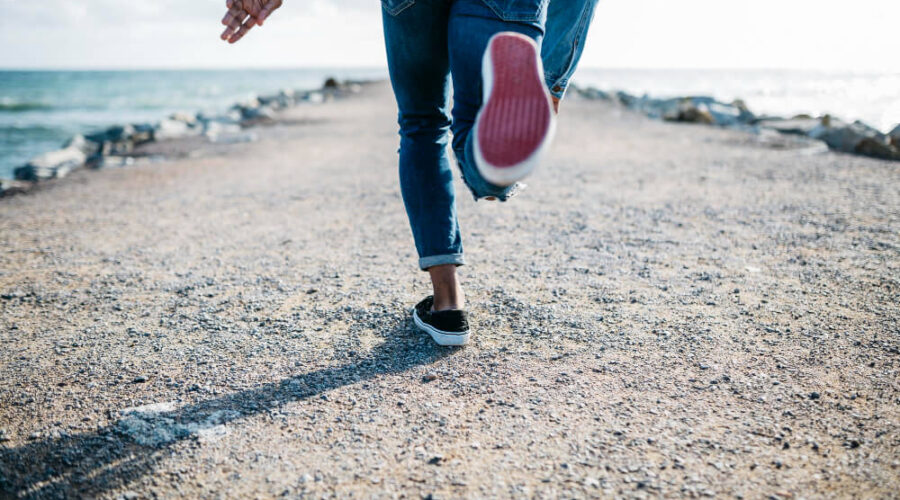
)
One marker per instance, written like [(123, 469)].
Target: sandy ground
[(667, 310)]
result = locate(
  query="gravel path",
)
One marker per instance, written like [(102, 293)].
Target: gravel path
[(667, 310)]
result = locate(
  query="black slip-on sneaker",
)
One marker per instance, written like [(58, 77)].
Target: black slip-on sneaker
[(445, 327)]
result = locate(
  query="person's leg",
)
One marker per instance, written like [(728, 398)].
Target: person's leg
[(568, 22), (416, 41), (472, 24)]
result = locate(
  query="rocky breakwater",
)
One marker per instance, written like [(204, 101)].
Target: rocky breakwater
[(116, 145), (855, 138)]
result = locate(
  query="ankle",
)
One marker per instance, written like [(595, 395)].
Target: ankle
[(448, 293), (449, 302)]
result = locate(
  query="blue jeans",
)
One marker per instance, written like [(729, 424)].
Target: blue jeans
[(427, 41)]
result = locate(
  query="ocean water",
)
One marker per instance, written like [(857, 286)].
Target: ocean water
[(871, 97), (39, 110)]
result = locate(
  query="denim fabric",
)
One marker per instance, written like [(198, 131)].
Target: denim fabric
[(567, 26), (427, 41)]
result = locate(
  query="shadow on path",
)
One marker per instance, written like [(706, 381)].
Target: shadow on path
[(93, 463)]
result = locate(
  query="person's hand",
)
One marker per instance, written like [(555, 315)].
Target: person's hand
[(243, 15)]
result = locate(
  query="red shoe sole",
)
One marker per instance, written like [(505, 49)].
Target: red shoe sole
[(516, 119)]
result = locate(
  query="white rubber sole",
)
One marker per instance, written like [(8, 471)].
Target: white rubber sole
[(441, 337), (507, 176)]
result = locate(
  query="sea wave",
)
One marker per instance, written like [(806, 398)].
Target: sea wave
[(19, 107)]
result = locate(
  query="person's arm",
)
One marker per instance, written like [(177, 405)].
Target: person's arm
[(243, 15)]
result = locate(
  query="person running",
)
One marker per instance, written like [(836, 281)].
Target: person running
[(510, 63)]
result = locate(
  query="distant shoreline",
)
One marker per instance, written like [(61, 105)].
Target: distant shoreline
[(127, 144)]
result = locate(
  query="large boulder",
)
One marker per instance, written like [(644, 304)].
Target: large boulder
[(795, 126), (51, 165), (9, 186), (143, 132), (895, 136), (118, 133), (258, 114), (592, 93), (689, 110), (118, 139), (181, 116), (173, 129), (856, 137), (79, 142)]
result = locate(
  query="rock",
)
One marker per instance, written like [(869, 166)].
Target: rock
[(9, 187), (173, 129), (729, 115), (331, 83), (315, 97), (284, 99), (51, 165), (690, 111), (878, 149), (143, 132), (429, 377), (592, 93), (856, 137), (189, 119), (118, 133), (795, 126), (117, 139), (895, 136), (258, 114), (89, 148), (213, 129)]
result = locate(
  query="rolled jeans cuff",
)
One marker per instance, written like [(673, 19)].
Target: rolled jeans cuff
[(558, 88), (440, 260)]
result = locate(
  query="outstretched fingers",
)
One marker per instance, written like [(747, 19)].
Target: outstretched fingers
[(270, 6), (233, 14), (248, 24)]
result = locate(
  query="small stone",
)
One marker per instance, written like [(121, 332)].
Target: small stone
[(435, 460), (429, 377), (140, 379), (814, 395)]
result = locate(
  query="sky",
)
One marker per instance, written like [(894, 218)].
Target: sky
[(102, 34)]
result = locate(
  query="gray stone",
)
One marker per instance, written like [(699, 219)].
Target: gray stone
[(89, 148), (895, 136), (690, 111), (592, 93), (173, 129), (9, 186), (212, 129), (857, 137), (181, 116), (795, 126), (51, 165), (118, 133), (258, 114), (143, 132)]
